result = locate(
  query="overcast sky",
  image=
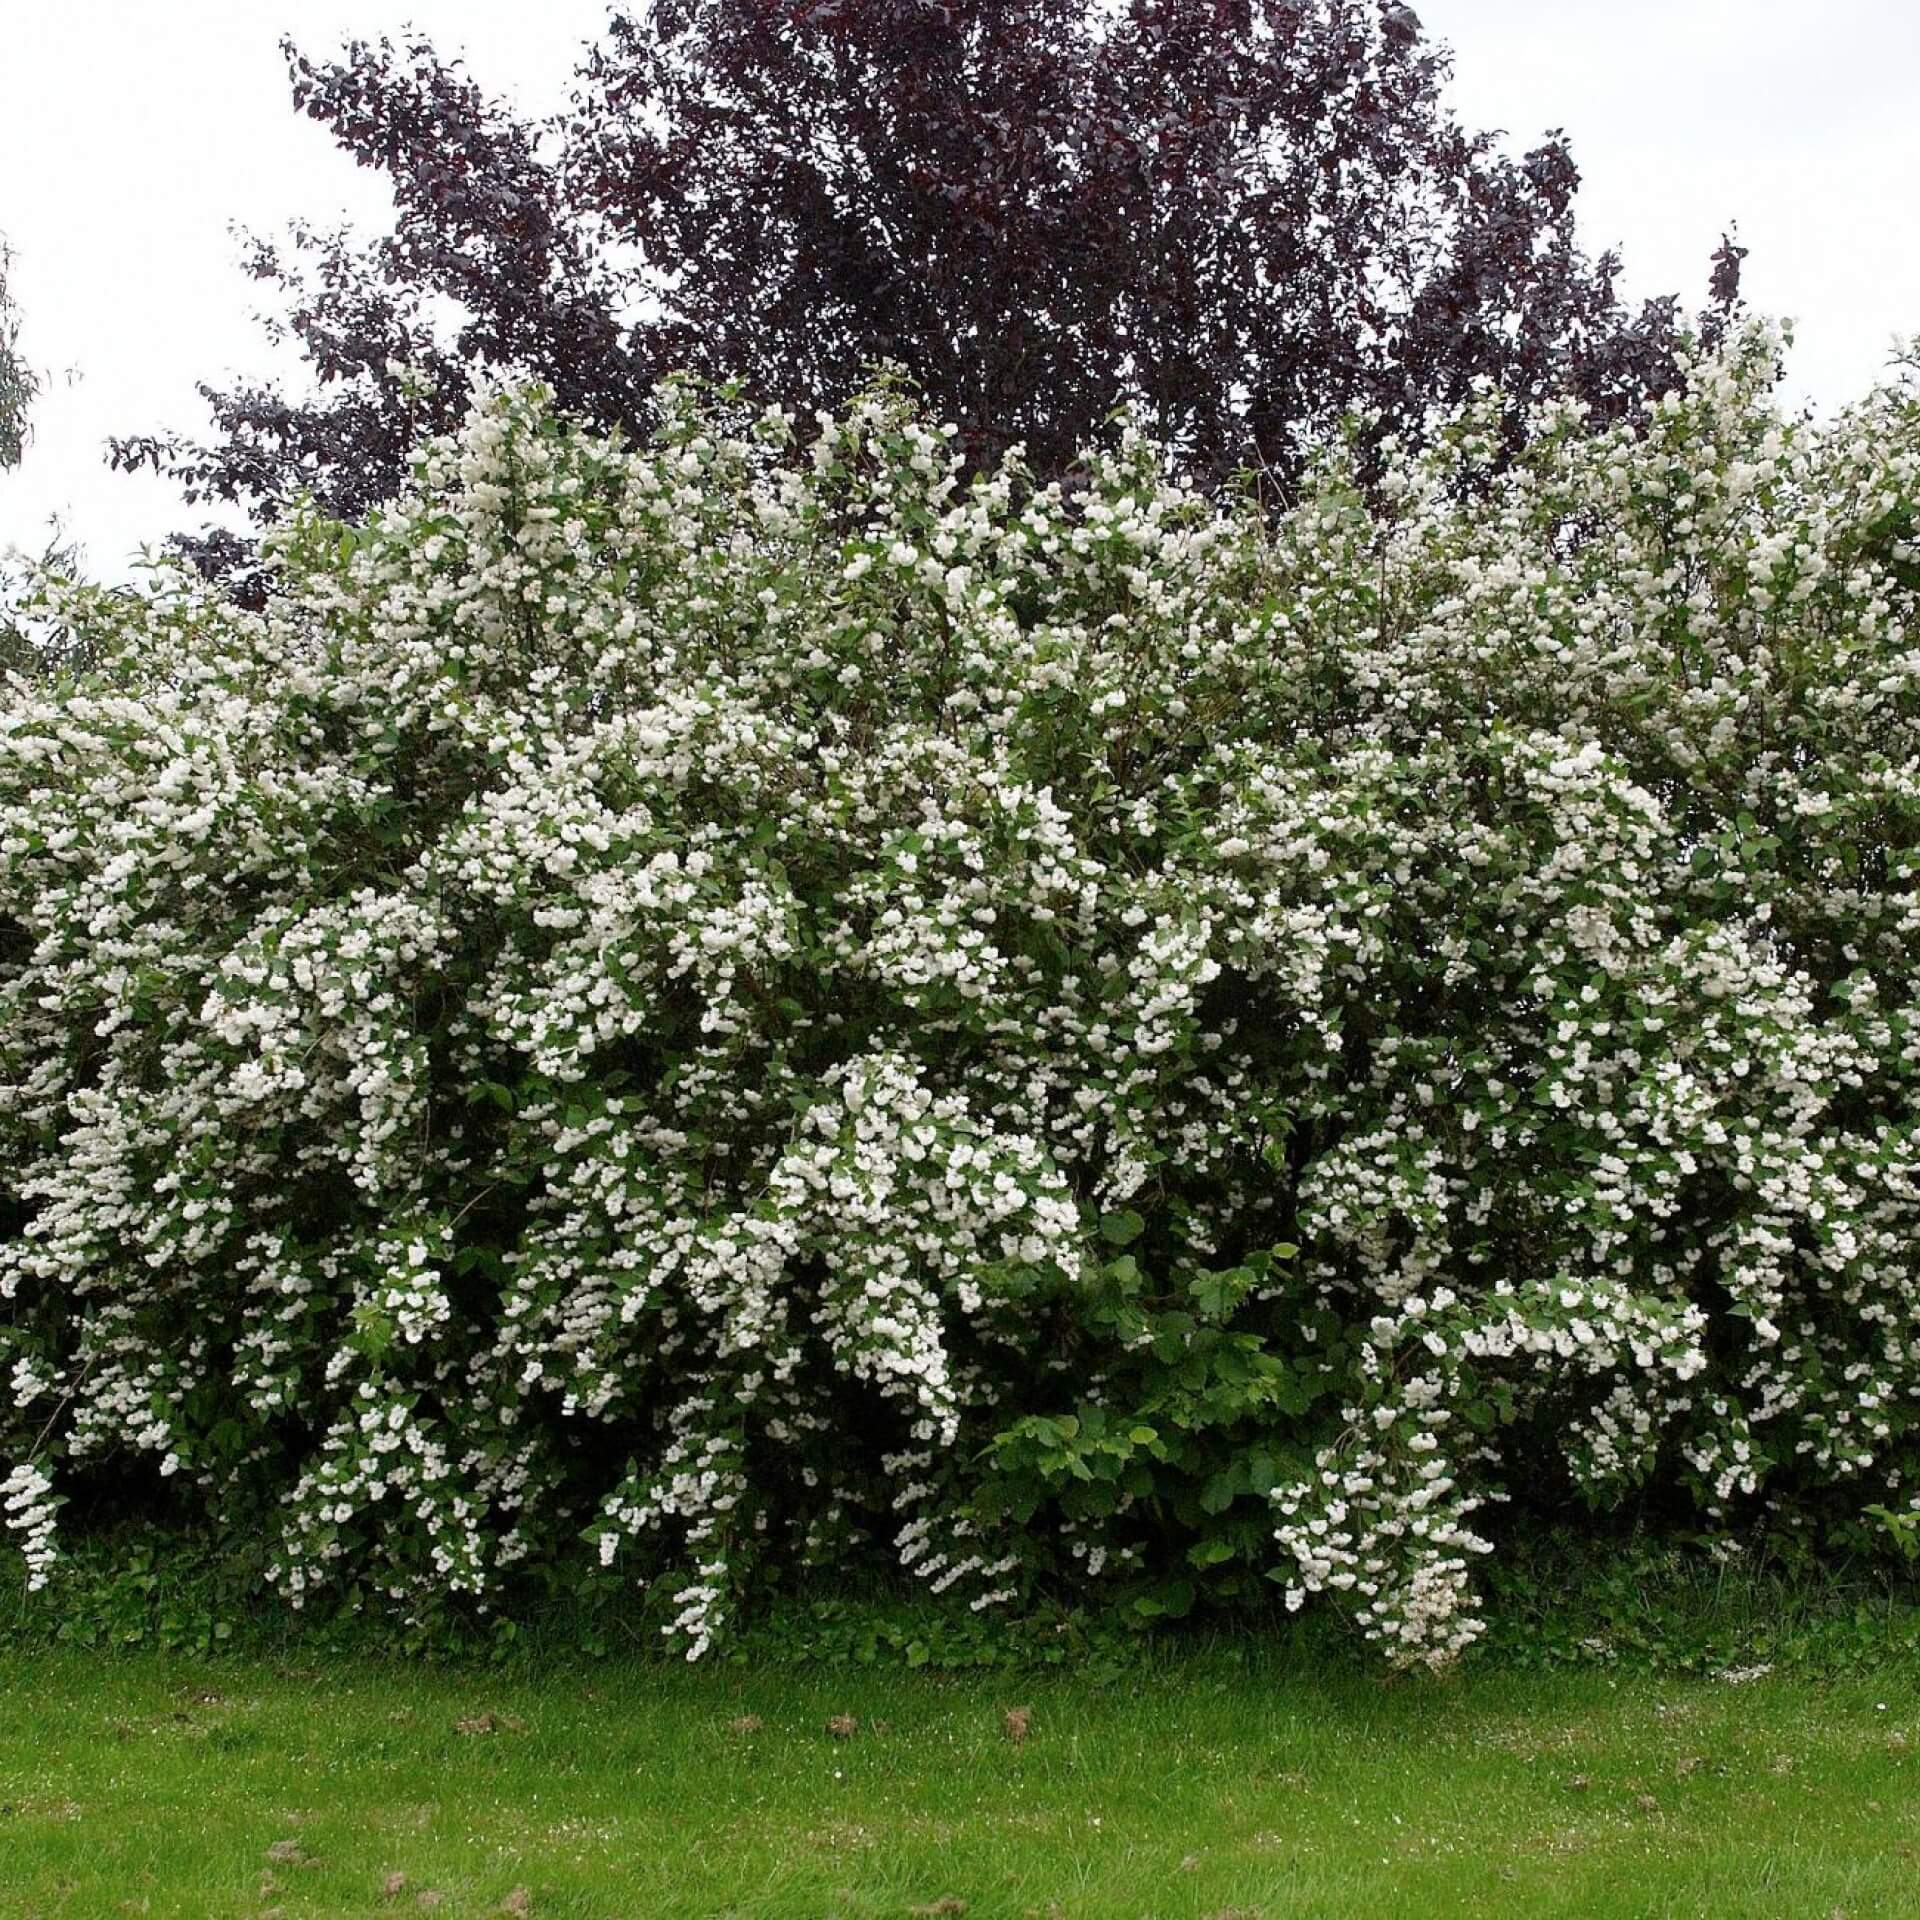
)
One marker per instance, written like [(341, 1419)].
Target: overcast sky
[(133, 133)]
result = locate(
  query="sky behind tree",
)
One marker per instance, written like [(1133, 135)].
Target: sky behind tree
[(132, 137)]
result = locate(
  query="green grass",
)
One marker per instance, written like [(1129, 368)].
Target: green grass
[(1204, 1786)]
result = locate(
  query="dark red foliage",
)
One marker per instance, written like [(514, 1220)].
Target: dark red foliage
[(1246, 217)]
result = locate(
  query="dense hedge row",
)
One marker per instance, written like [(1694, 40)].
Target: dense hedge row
[(756, 1003)]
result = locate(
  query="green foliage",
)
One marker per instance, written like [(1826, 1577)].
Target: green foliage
[(732, 1013), (18, 382), (1658, 1602)]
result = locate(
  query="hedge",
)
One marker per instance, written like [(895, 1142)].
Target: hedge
[(752, 1002)]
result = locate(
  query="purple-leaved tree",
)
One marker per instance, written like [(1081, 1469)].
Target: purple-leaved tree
[(1247, 218)]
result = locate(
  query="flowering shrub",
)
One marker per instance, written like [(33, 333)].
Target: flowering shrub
[(755, 1003)]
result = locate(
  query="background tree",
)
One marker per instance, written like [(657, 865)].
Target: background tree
[(18, 383), (1246, 217)]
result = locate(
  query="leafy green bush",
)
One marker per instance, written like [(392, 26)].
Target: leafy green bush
[(754, 1003)]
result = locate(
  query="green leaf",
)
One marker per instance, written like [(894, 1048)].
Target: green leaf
[(1223, 1489), (372, 1330), (1216, 1295)]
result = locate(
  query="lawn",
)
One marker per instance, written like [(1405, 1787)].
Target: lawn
[(1194, 1789)]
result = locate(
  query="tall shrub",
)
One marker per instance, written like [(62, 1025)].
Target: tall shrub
[(768, 1004)]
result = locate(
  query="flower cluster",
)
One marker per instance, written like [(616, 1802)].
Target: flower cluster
[(771, 1005)]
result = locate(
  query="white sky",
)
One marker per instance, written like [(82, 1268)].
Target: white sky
[(133, 132)]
